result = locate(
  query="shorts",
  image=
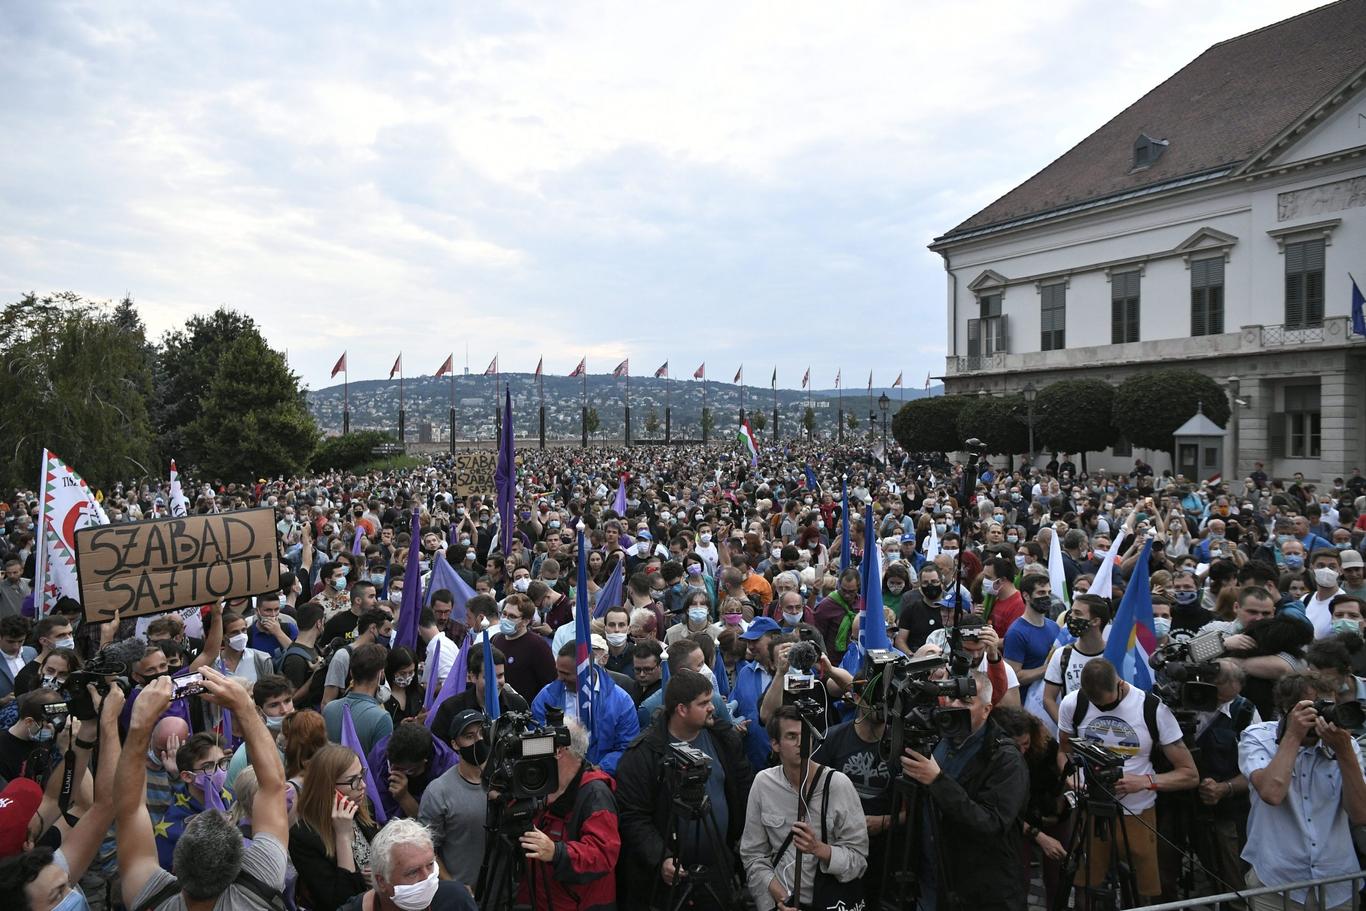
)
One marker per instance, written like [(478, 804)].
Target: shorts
[(1142, 851)]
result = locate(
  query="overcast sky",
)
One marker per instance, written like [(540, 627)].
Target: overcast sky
[(729, 182)]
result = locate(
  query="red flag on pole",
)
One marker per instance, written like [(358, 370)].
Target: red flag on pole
[(663, 371), (340, 365), (623, 369), (579, 370), (898, 382), (493, 367), (701, 372), (539, 364), (739, 374), (445, 368), (806, 378), (397, 368)]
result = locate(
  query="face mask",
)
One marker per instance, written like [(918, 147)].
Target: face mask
[(988, 586), (507, 627), (793, 619), (153, 758), (1294, 561), (940, 528), (238, 642), (1013, 539), (895, 588), (932, 590), (404, 681), (345, 571), (643, 548), (65, 642), (951, 554), (1347, 625), (709, 674), (1020, 560), (1078, 626), (616, 640), (339, 584), (1326, 577), (275, 722), (211, 781), (705, 537), (1186, 597), (1041, 603), (1162, 626), (418, 895), (476, 753), (733, 619), (697, 614), (377, 580), (44, 734), (521, 585), (73, 901)]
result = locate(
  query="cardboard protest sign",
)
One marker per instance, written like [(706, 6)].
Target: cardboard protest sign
[(151, 567), (474, 473)]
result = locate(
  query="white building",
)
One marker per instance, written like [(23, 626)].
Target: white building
[(1210, 225)]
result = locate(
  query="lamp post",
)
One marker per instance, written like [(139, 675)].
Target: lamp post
[(1030, 393), (883, 403)]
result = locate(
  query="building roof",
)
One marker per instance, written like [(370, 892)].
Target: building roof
[(1215, 113), (1199, 425)]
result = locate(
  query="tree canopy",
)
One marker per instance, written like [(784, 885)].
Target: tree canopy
[(929, 424), (1150, 406)]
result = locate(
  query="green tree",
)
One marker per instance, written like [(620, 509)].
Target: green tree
[(851, 421), (809, 421), (708, 423), (186, 364), (1075, 416), (651, 420), (350, 450), (758, 420), (929, 424), (998, 421), (1150, 406), (254, 420), (76, 382), (592, 421)]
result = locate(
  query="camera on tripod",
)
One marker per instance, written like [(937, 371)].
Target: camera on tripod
[(1103, 766), (901, 692), (686, 771), (1191, 672), (521, 763)]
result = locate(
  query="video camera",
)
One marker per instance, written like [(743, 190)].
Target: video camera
[(900, 691), (1191, 672), (521, 763), (686, 771), (1103, 766)]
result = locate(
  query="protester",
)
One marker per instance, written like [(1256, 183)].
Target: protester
[(330, 843), (406, 875), (454, 807)]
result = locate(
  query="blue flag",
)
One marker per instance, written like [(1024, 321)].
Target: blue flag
[(718, 669), (811, 482), (411, 606), (505, 479), (583, 631), (444, 576), (1358, 308), (874, 628), (1133, 636), (609, 596), (351, 741), (844, 520), (491, 706)]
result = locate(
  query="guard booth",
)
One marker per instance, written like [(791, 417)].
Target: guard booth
[(1199, 447)]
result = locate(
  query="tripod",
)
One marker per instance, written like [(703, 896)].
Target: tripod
[(712, 879), (903, 888), (1103, 812), (504, 865)]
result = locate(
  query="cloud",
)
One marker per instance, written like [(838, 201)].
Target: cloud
[(688, 182)]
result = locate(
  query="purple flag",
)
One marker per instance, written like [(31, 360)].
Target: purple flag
[(352, 742), (491, 706), (505, 479), (355, 542), (619, 505), (411, 606), (609, 596), (227, 728), (454, 684), (444, 576)]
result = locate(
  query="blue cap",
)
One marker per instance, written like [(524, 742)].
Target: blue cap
[(758, 627)]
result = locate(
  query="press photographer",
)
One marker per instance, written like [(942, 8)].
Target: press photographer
[(1130, 725)]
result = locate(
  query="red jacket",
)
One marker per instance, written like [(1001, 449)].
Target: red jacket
[(583, 824)]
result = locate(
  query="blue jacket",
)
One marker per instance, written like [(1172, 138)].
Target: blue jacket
[(614, 722), (27, 653), (748, 692)]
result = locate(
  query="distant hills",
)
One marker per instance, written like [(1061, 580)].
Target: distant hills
[(374, 405)]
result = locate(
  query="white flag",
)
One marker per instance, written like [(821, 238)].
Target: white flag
[(932, 545), (1057, 577), (66, 505), (180, 506), (1102, 584)]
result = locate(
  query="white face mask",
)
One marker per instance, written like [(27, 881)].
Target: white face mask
[(1326, 577), (417, 896), (616, 640), (238, 642), (522, 585)]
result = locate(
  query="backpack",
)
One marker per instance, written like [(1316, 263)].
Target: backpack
[(318, 679), (268, 894), (1150, 704)]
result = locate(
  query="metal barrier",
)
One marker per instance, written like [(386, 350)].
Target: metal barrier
[(1315, 885)]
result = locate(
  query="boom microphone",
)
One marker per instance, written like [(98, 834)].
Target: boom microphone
[(118, 657)]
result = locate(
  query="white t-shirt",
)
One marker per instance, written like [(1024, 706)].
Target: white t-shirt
[(1077, 660), (1123, 730), (1320, 614)]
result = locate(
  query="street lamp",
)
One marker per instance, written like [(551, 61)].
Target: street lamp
[(884, 403), (1030, 393)]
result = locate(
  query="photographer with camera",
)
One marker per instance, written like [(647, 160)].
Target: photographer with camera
[(977, 784), (651, 862), (1307, 791), (574, 836), (835, 848), (1135, 725)]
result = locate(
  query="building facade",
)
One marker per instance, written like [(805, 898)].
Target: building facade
[(1211, 225)]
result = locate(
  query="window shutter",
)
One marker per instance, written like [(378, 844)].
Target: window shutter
[(974, 338), (1198, 310), (1117, 321), (1131, 329), (1002, 335), (1214, 309), (1275, 434)]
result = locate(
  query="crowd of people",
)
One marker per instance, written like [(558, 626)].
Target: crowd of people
[(281, 751)]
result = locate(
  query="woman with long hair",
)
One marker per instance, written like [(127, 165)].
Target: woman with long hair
[(405, 690), (302, 734), (330, 844)]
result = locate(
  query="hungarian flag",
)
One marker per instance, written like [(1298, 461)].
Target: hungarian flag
[(493, 367), (579, 370), (701, 372), (340, 365), (898, 382), (837, 378), (623, 369), (180, 506), (539, 364), (747, 441), (397, 368), (445, 368), (739, 374), (806, 378), (663, 371), (66, 505)]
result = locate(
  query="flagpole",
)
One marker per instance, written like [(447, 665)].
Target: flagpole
[(346, 396), (626, 416), (40, 558), (540, 394), (668, 384), (402, 416), (584, 375), (775, 403), (839, 428), (452, 404), (704, 406)]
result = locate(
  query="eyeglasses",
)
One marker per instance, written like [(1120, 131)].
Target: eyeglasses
[(221, 765), (355, 783)]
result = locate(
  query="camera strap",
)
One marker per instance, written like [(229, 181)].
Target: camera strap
[(810, 792), (68, 779)]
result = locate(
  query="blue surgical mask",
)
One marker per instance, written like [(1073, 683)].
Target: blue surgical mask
[(1294, 561), (44, 734), (72, 901), (507, 627), (1162, 626), (697, 614)]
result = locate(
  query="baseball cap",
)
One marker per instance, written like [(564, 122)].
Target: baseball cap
[(1350, 558), (597, 642), (758, 627), (18, 802), (463, 719)]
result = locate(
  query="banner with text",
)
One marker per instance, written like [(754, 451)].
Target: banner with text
[(474, 473), (150, 567)]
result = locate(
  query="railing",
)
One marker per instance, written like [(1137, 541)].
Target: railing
[(1314, 885), (1275, 336), (974, 363)]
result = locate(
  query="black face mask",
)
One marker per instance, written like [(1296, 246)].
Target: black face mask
[(476, 753), (1078, 626), (1041, 603), (931, 591)]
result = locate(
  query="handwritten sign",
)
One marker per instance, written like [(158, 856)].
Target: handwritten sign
[(474, 473), (151, 567)]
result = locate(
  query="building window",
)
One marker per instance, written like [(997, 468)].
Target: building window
[(987, 334), (1053, 317), (1122, 448), (1303, 422), (1207, 296), (1304, 284), (1124, 307)]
